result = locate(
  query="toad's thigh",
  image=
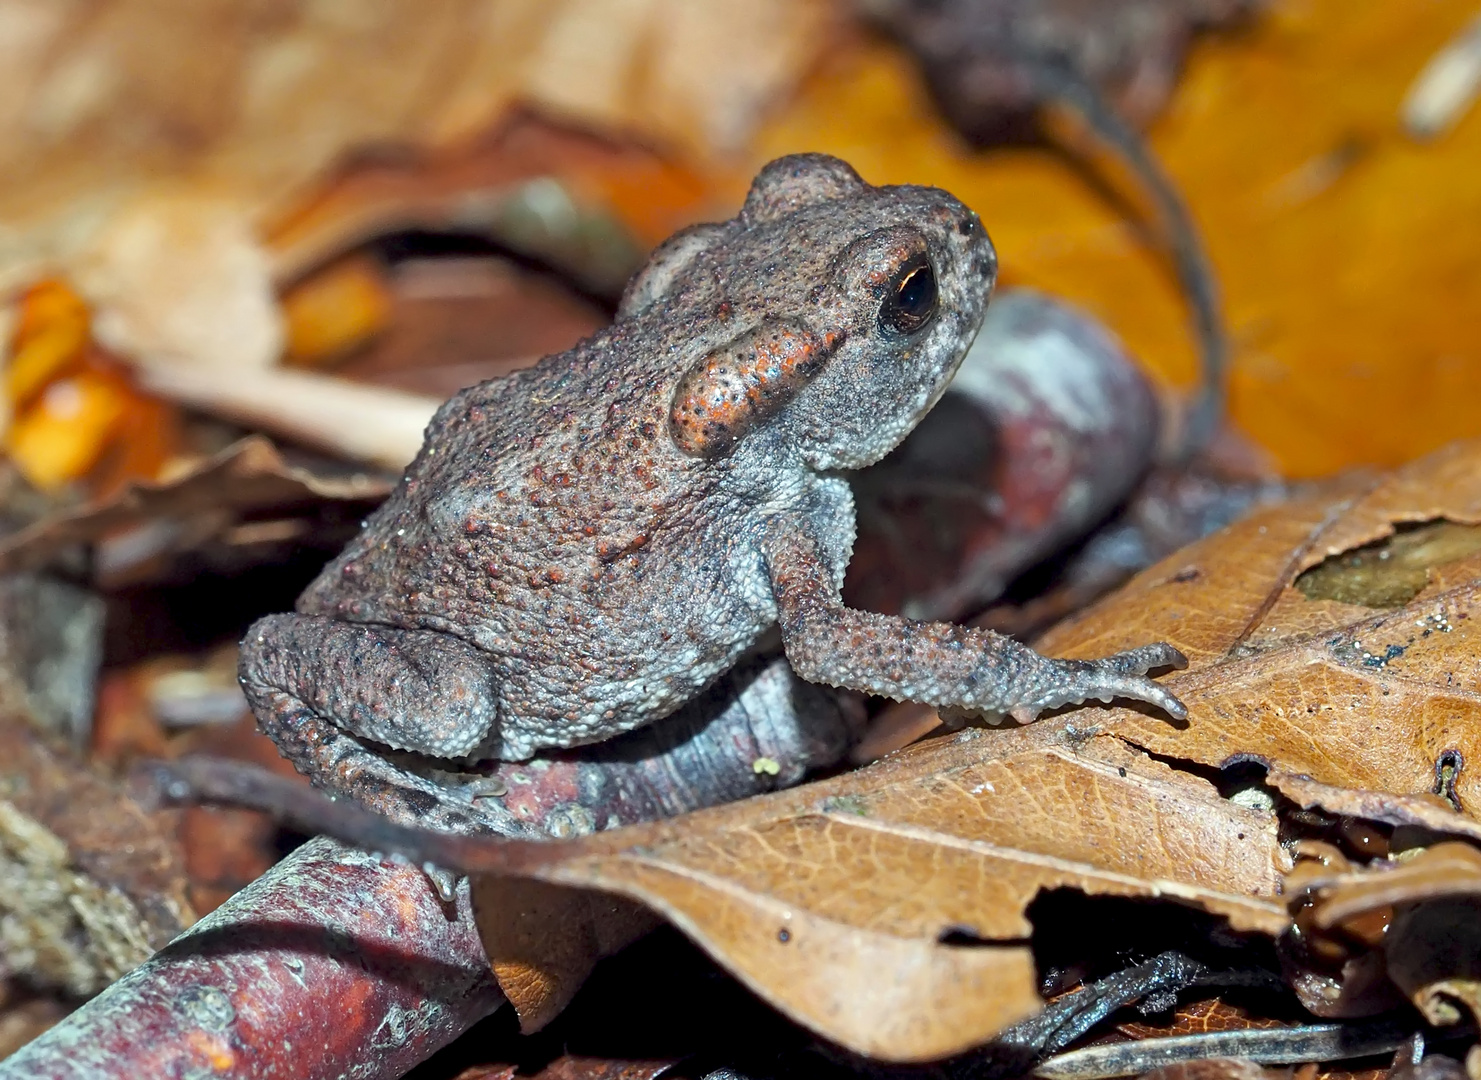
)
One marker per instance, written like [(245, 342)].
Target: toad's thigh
[(413, 690)]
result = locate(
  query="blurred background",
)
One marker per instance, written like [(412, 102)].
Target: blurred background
[(422, 195), (246, 247)]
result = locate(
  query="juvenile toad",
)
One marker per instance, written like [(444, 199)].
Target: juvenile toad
[(582, 546)]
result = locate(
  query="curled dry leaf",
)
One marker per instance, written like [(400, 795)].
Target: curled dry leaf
[(1447, 869), (455, 322), (808, 895), (206, 500), (1373, 691), (1423, 811), (1332, 639), (543, 940), (584, 205)]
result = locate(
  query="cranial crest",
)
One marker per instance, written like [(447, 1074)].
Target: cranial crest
[(790, 183)]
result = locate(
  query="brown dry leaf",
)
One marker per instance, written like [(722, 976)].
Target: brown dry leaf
[(584, 204), (1373, 695), (104, 99), (1425, 811), (1198, 1018), (456, 322), (1347, 694), (569, 200), (1451, 868), (547, 938), (206, 500), (831, 901)]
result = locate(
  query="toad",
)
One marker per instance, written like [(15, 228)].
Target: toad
[(582, 546)]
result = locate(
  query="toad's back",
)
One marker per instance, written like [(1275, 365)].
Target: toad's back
[(549, 517)]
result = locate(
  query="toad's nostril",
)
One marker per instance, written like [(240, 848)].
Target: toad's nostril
[(968, 225)]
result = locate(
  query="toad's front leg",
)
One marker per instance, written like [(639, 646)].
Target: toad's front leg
[(939, 664)]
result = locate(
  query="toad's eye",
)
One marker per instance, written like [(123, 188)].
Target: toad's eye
[(911, 300)]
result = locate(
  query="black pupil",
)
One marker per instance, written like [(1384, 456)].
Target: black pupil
[(918, 293), (914, 299)]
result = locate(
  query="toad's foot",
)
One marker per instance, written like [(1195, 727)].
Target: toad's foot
[(1050, 683)]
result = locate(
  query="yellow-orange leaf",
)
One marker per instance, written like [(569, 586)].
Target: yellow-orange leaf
[(53, 331), (335, 310), (62, 435)]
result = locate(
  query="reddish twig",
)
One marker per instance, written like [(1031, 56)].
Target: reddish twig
[(332, 964)]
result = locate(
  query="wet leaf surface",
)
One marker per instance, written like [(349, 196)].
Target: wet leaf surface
[(1426, 908)]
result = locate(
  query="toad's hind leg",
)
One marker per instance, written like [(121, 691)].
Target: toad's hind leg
[(316, 684)]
